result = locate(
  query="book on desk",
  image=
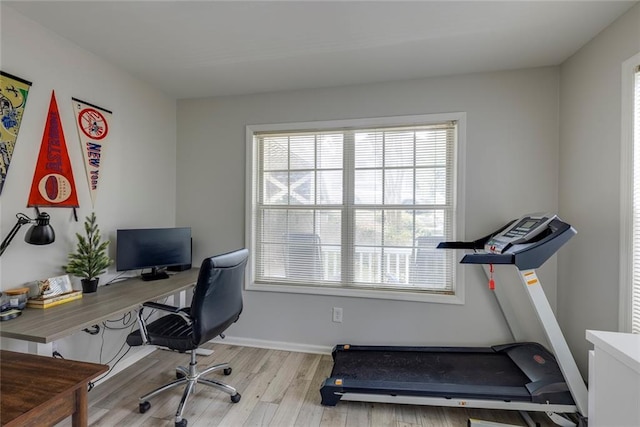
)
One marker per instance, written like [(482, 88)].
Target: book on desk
[(53, 291), (46, 302)]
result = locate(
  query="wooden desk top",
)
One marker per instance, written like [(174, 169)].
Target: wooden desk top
[(28, 381), (50, 324)]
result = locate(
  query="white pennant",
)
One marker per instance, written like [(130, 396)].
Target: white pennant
[(93, 130)]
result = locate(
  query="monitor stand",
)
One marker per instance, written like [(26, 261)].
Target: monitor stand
[(155, 274)]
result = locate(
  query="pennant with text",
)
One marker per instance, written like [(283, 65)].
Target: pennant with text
[(13, 98), (93, 130), (53, 183)]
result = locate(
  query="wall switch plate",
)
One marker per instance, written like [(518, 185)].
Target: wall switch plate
[(337, 314)]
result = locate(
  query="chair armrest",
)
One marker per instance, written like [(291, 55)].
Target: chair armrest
[(160, 306), (142, 324)]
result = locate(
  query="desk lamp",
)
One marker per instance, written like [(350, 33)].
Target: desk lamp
[(41, 233)]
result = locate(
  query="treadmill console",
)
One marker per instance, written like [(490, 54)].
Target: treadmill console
[(520, 231), (526, 242)]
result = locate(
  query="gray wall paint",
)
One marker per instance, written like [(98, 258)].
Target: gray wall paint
[(137, 185), (512, 164), (590, 108)]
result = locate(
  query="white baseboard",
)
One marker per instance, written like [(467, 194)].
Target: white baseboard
[(274, 345)]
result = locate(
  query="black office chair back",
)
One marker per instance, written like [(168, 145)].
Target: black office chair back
[(217, 299)]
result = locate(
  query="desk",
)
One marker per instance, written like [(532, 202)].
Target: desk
[(44, 326), (41, 391)]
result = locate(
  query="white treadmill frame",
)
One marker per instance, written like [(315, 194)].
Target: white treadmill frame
[(559, 346)]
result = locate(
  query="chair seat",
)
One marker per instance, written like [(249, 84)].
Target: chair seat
[(171, 331)]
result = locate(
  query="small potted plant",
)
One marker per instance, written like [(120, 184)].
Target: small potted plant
[(90, 258)]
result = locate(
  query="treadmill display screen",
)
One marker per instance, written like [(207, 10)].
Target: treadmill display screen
[(524, 229)]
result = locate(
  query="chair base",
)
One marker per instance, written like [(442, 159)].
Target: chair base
[(190, 377)]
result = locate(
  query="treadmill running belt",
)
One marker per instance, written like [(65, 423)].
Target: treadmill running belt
[(484, 369)]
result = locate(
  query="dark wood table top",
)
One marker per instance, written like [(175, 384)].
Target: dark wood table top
[(28, 381)]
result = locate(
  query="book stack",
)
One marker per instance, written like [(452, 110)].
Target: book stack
[(46, 302), (54, 291)]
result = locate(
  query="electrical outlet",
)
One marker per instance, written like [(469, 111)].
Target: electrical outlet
[(337, 314)]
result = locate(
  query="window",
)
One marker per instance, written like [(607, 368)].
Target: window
[(630, 190), (356, 207)]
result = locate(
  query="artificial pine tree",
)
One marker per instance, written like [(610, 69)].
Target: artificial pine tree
[(90, 258)]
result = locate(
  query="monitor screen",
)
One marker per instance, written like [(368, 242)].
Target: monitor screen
[(153, 248)]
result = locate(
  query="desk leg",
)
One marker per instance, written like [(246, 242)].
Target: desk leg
[(40, 349), (81, 414), (180, 298)]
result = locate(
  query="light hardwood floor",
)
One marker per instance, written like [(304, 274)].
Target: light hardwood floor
[(278, 388)]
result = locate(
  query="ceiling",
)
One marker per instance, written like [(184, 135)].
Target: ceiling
[(191, 49)]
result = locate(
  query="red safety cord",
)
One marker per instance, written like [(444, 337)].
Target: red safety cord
[(492, 283)]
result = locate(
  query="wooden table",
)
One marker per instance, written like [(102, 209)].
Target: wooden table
[(42, 391)]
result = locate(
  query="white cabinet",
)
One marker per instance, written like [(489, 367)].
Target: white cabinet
[(614, 379)]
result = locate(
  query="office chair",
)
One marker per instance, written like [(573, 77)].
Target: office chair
[(216, 304)]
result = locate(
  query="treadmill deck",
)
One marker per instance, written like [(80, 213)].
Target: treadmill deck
[(524, 372), (472, 368)]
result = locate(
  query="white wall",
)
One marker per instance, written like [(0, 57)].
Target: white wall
[(137, 186), (590, 108), (512, 164)]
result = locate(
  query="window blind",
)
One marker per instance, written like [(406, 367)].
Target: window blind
[(357, 207), (635, 305)]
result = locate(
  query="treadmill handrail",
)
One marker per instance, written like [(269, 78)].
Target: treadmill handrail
[(475, 244)]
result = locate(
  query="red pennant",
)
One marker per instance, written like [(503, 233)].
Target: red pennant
[(53, 183)]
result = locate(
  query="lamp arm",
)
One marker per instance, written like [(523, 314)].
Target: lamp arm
[(22, 220)]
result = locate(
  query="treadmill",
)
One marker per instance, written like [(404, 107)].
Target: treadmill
[(522, 376)]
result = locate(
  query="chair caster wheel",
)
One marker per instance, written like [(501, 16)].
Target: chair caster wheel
[(181, 423), (144, 407), (227, 371), (179, 375), (236, 398)]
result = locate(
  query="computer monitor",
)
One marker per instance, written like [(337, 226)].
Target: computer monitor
[(154, 248)]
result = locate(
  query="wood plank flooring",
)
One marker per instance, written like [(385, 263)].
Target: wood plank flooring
[(278, 388)]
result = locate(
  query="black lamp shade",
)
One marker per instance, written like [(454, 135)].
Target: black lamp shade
[(41, 233)]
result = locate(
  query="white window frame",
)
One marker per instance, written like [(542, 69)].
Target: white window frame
[(626, 194), (458, 295)]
